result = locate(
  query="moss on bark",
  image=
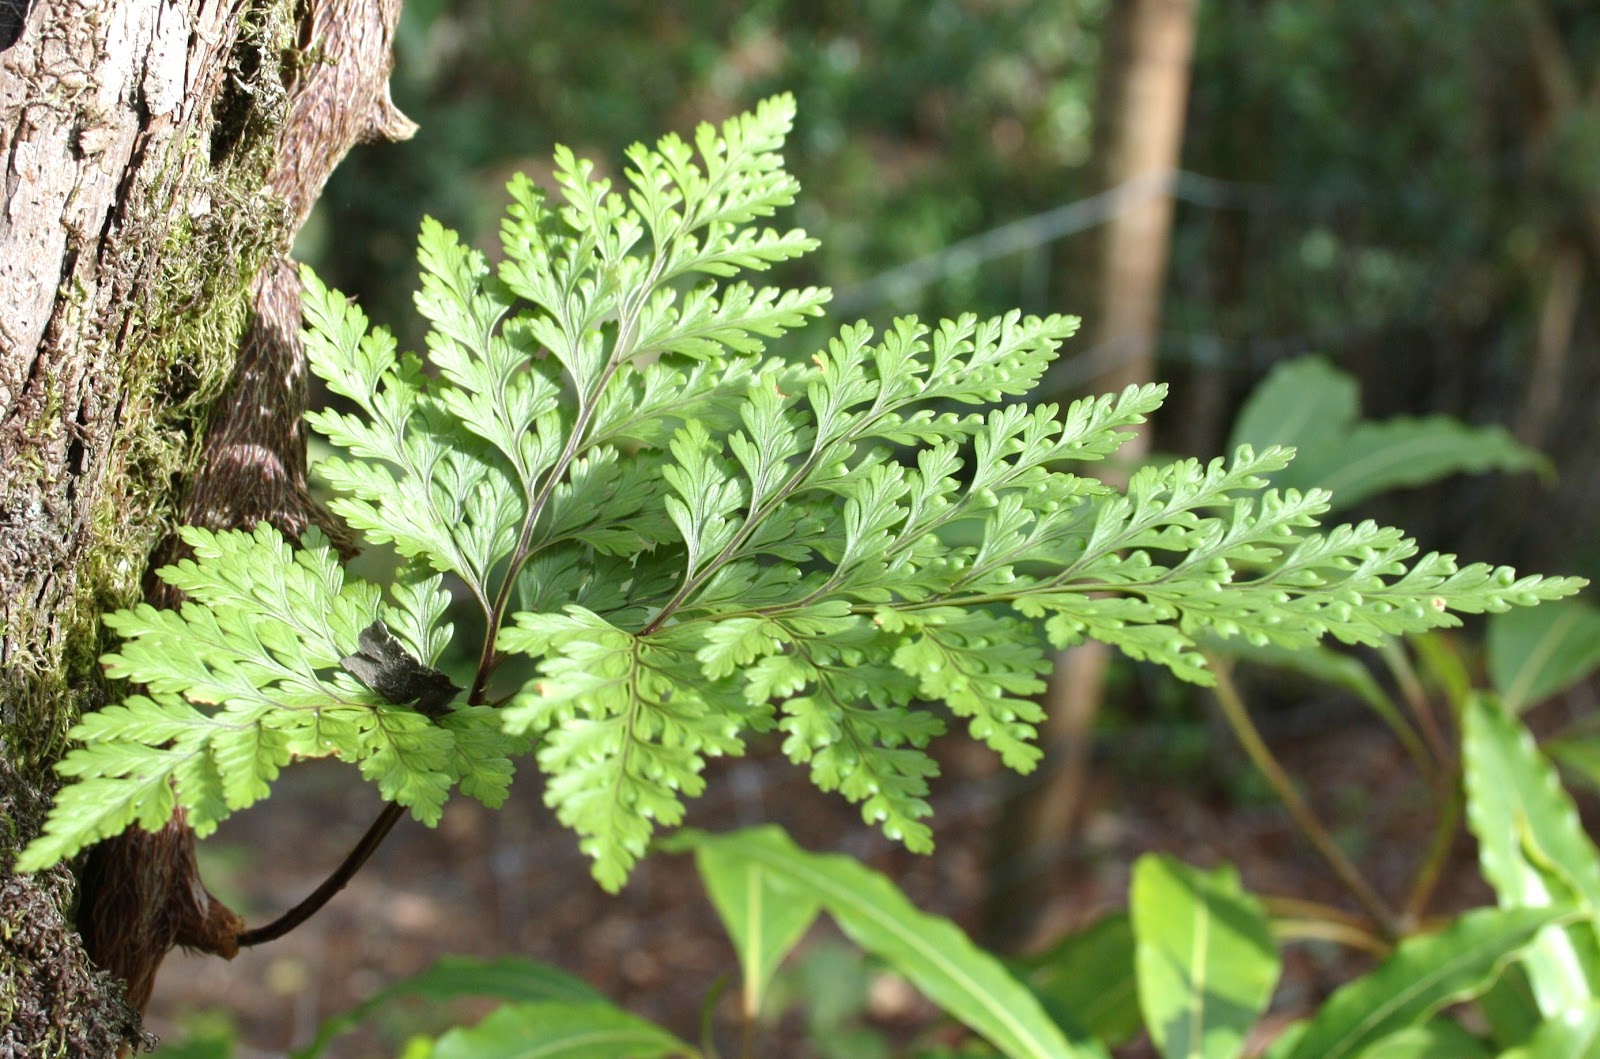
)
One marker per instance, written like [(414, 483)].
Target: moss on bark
[(161, 361)]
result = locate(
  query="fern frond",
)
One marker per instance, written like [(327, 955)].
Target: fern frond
[(687, 540), (245, 677)]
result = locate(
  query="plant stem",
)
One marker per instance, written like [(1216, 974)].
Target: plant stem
[(1434, 861), (1301, 908), (621, 352), (1296, 919), (747, 1037), (1324, 930), (1238, 718), (1394, 655), (521, 552), (331, 885)]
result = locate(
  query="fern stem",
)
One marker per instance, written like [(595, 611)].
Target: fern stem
[(523, 551), (1435, 860), (1244, 729), (820, 447), (621, 353), (693, 583), (331, 885), (1411, 690)]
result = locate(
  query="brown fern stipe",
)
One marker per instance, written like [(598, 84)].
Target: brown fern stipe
[(142, 892), (146, 896)]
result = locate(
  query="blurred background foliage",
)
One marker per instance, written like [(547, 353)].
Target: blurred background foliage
[(1408, 187)]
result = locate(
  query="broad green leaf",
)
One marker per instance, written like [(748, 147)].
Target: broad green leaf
[(1089, 978), (1572, 1036), (931, 952), (1398, 453), (1510, 1009), (1301, 404), (452, 977), (1440, 1039), (1442, 662), (765, 915), (1311, 405), (1424, 974), (1533, 654), (1532, 849), (1204, 955), (561, 1030), (1579, 755), (1288, 1040)]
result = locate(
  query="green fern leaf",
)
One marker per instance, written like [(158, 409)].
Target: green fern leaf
[(685, 540)]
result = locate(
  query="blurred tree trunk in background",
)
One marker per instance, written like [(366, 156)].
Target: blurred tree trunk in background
[(158, 154), (1139, 119), (1563, 107)]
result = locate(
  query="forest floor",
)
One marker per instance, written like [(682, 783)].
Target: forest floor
[(513, 882)]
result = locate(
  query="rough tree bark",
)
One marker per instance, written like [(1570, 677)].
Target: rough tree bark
[(159, 157)]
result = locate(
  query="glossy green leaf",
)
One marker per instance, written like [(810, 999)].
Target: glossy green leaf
[(1575, 1036), (1532, 849), (1305, 403), (1423, 974), (1089, 978), (1401, 453), (1440, 658), (452, 977), (931, 952), (1313, 406), (1204, 956), (1579, 755), (1288, 1040), (1510, 1009), (765, 915), (1535, 653), (1439, 1039), (561, 1030)]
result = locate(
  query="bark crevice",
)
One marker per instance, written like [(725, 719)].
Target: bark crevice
[(129, 252)]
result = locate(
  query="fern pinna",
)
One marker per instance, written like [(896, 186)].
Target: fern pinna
[(694, 542)]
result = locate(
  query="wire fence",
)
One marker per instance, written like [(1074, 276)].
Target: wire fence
[(1279, 219)]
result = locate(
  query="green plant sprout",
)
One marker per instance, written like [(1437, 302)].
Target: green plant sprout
[(694, 542)]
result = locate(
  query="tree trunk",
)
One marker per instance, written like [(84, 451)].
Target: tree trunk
[(1143, 93), (157, 154)]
